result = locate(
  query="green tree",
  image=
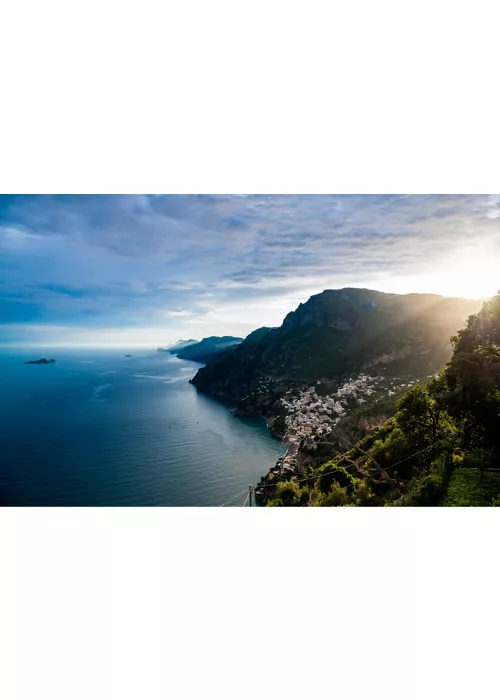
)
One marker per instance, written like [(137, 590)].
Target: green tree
[(331, 473), (473, 377), (362, 494), (289, 494), (426, 491), (336, 497), (418, 417)]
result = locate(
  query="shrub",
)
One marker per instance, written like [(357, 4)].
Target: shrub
[(362, 495), (337, 496), (424, 491), (289, 494), (331, 473)]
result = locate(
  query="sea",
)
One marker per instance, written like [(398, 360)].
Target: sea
[(97, 428)]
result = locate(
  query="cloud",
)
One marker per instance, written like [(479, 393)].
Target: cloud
[(174, 261)]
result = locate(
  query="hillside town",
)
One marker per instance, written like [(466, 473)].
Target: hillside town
[(309, 415)]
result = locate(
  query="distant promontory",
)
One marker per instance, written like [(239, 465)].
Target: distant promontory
[(179, 345), (207, 350)]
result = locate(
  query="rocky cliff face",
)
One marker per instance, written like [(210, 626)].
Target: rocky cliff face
[(335, 334)]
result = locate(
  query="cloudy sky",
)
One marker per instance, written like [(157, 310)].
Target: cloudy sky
[(144, 270)]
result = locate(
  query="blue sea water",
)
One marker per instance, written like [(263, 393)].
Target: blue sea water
[(99, 429)]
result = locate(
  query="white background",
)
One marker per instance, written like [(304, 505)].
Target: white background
[(270, 97)]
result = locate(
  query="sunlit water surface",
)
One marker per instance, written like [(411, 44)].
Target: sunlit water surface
[(99, 429)]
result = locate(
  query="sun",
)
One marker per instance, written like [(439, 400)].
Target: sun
[(469, 272), (473, 273)]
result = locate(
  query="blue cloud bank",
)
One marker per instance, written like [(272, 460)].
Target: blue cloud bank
[(145, 269)]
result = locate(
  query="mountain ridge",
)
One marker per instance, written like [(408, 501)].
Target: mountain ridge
[(207, 350), (332, 335)]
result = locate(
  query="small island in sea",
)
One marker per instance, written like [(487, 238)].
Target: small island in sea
[(42, 361)]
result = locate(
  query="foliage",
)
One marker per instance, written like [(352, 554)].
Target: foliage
[(419, 418), (425, 490), (337, 496), (440, 448), (393, 449), (468, 488), (289, 494), (331, 473), (473, 375), (362, 495)]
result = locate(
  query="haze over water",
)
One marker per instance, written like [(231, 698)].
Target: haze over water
[(99, 429)]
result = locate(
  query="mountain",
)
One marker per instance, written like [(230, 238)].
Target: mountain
[(334, 335), (209, 349), (258, 334), (179, 345), (440, 448)]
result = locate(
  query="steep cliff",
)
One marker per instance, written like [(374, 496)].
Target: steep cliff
[(333, 335)]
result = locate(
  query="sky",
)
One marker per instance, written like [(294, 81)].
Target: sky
[(147, 270)]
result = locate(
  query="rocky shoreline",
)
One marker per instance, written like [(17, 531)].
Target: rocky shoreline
[(265, 405), (268, 407), (268, 400), (288, 466)]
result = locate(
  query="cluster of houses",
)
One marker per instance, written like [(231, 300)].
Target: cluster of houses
[(309, 414)]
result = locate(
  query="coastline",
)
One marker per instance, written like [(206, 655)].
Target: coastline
[(287, 465), (263, 490), (298, 415)]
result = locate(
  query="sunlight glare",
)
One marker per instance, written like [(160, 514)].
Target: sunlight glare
[(471, 272)]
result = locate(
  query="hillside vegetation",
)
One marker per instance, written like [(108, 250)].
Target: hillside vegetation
[(442, 447)]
